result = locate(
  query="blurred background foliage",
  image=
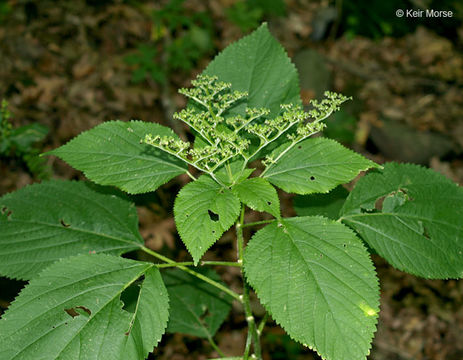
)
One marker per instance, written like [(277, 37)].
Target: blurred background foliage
[(66, 66), (376, 19)]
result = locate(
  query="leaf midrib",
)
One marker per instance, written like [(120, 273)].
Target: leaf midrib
[(304, 167), (155, 160), (71, 228)]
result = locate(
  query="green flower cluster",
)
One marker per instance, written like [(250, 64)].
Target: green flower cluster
[(222, 136)]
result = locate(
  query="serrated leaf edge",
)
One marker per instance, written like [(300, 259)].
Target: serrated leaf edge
[(217, 236), (313, 347), (102, 252), (55, 152), (373, 165)]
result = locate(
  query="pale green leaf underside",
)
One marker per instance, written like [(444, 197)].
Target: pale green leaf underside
[(259, 65), (45, 222), (37, 325), (316, 166), (111, 154), (317, 281), (420, 228), (258, 194), (196, 308), (203, 211)]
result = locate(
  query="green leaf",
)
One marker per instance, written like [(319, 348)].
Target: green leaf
[(45, 222), (412, 217), (316, 166), (203, 211), (197, 308), (259, 65), (72, 310), (327, 205), (259, 195), (149, 320), (111, 154), (26, 136), (317, 281)]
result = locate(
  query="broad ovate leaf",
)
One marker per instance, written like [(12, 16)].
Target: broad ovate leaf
[(203, 211), (258, 64), (112, 154), (72, 310), (258, 194), (316, 279), (316, 166), (196, 308), (42, 223), (412, 217)]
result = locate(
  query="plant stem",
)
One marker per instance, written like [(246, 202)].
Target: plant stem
[(174, 264), (261, 326), (202, 263), (258, 223), (221, 263), (190, 175), (252, 336), (215, 346), (194, 273)]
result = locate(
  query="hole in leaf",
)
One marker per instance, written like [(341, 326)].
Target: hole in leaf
[(87, 310), (6, 211), (312, 178), (269, 203), (213, 216), (63, 223), (299, 147), (392, 201), (129, 296), (78, 310), (406, 195), (344, 245), (213, 231), (379, 203), (187, 215)]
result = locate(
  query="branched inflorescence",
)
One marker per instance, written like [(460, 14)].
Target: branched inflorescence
[(224, 137)]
